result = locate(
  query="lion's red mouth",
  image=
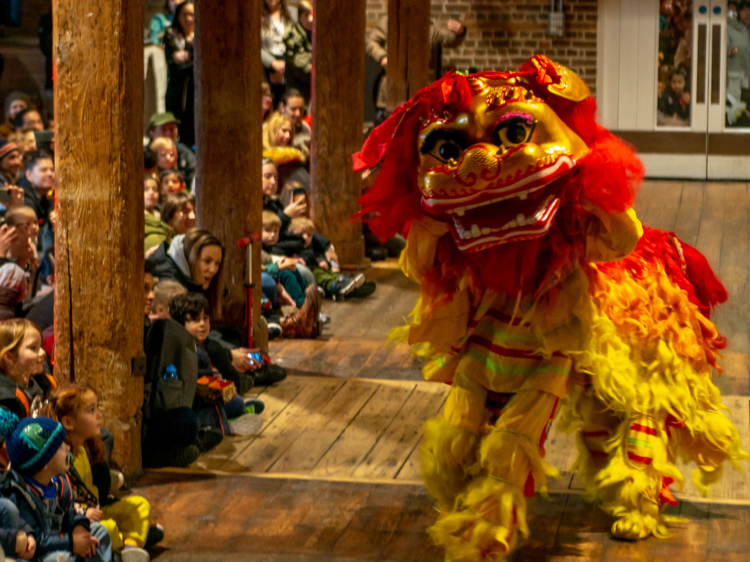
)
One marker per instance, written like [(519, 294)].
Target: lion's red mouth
[(499, 223)]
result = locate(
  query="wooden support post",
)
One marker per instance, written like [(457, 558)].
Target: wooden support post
[(228, 140), (338, 114), (99, 238), (408, 49)]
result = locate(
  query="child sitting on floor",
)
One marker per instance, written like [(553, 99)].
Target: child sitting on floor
[(171, 182), (164, 292), (327, 275), (278, 265), (22, 377), (38, 453), (192, 311), (127, 520), (304, 322)]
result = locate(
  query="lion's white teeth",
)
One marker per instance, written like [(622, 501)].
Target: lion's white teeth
[(461, 211), (523, 195), (475, 230), (521, 220)]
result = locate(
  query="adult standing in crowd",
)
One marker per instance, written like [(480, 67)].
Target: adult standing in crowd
[(451, 34), (166, 125), (298, 54), (15, 103), (178, 47), (275, 21), (163, 21), (738, 52)]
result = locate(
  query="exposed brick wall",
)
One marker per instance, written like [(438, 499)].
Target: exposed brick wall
[(501, 34)]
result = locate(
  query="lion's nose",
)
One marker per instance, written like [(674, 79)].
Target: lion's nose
[(479, 163)]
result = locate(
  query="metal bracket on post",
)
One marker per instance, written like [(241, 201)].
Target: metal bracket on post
[(247, 244), (556, 19)]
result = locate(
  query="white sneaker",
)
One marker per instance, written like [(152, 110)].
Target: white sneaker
[(133, 554), (118, 480)]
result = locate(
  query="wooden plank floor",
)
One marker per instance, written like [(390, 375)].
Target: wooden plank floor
[(243, 518), (325, 427)]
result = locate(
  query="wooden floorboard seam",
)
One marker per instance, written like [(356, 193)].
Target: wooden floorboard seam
[(385, 430)]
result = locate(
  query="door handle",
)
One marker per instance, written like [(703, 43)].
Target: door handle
[(715, 64), (700, 71)]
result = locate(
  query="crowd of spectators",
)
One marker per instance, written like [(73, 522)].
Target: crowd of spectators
[(187, 348)]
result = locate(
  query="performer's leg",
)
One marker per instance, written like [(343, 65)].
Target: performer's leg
[(492, 508), (449, 446)]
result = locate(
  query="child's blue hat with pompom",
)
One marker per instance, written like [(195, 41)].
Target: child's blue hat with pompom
[(31, 442)]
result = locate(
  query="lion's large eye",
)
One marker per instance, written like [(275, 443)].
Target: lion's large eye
[(513, 131), (446, 150), (445, 145)]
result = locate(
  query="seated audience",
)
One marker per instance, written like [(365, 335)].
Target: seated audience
[(171, 182), (43, 498), (328, 276), (304, 322), (128, 519), (177, 217), (293, 105), (267, 101), (28, 119), (151, 195), (10, 163), (25, 140), (13, 281), (15, 102), (178, 212), (163, 293), (21, 366), (194, 260), (39, 184), (165, 125), (291, 244), (166, 153), (191, 310)]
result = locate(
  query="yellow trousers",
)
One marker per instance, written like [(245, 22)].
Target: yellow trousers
[(127, 521)]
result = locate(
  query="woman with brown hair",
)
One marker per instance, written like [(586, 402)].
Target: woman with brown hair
[(194, 260)]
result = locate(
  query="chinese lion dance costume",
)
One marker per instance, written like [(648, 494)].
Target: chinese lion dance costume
[(542, 294)]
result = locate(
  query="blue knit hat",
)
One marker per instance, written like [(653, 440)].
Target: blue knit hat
[(30, 443)]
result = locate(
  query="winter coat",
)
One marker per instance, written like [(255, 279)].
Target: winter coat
[(41, 205), (170, 262), (168, 343), (51, 520), (17, 399), (156, 231), (298, 57)]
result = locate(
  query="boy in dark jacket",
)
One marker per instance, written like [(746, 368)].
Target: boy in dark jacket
[(327, 274), (675, 101), (191, 310), (38, 453)]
